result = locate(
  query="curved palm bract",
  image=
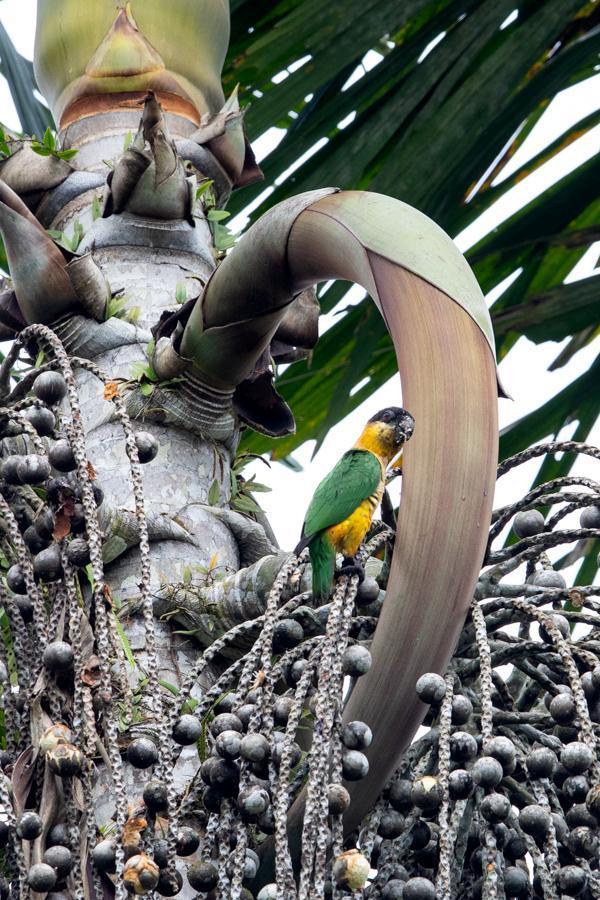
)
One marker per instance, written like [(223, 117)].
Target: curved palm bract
[(439, 323)]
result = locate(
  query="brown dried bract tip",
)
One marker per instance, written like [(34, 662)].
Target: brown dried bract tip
[(132, 834), (111, 390), (259, 680), (91, 673)]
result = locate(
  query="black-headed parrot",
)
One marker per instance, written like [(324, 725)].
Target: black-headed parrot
[(343, 504)]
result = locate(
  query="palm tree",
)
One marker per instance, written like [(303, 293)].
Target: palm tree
[(115, 242)]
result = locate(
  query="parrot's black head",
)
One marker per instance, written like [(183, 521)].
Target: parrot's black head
[(397, 418)]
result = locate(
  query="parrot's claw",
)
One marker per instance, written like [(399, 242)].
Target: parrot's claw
[(350, 567)]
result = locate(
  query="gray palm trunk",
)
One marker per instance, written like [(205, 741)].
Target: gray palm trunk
[(198, 551), (192, 546)]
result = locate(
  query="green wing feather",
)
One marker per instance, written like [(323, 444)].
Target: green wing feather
[(354, 478)]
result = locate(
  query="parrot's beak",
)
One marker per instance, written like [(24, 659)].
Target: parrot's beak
[(403, 430)]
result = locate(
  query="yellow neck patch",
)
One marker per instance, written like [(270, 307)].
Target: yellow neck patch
[(378, 438)]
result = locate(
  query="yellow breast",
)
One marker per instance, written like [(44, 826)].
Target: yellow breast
[(347, 536)]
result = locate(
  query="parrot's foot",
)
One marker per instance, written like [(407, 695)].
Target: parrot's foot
[(350, 567)]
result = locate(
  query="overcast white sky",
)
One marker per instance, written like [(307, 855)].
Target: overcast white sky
[(524, 371)]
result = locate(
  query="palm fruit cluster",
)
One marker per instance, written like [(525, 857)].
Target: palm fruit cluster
[(499, 796)]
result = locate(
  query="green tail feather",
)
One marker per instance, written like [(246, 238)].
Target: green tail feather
[(322, 557)]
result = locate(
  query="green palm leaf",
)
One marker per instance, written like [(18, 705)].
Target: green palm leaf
[(18, 71)]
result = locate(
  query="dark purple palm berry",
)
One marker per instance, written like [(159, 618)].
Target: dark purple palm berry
[(576, 788), (252, 802), (355, 765), (147, 446), (460, 784), (188, 841), (44, 523), (142, 753), (572, 880), (580, 815), (503, 749), (295, 754), (225, 722), (462, 709), (541, 762), (29, 826), (356, 661), (187, 730), (77, 519), (516, 882), (487, 772), (495, 808), (61, 456), (33, 469), (50, 387), (161, 854), (16, 580), (78, 552), (560, 827), (225, 777), (420, 835), (391, 825), (562, 709), (463, 746), (61, 860), (25, 607), (212, 799), (255, 748), (431, 688), (244, 714), (287, 634), (427, 793), (228, 744), (535, 820), (393, 890), (368, 592), (515, 847), (295, 671), (58, 656), (282, 708), (155, 796), (548, 578), (9, 470), (576, 757), (401, 795), (592, 800), (590, 517), (65, 760), (583, 842), (47, 565), (34, 542), (104, 856), (169, 884), (41, 878), (419, 889), (528, 523), (202, 876), (559, 622), (58, 834), (338, 799), (356, 736), (42, 419)]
